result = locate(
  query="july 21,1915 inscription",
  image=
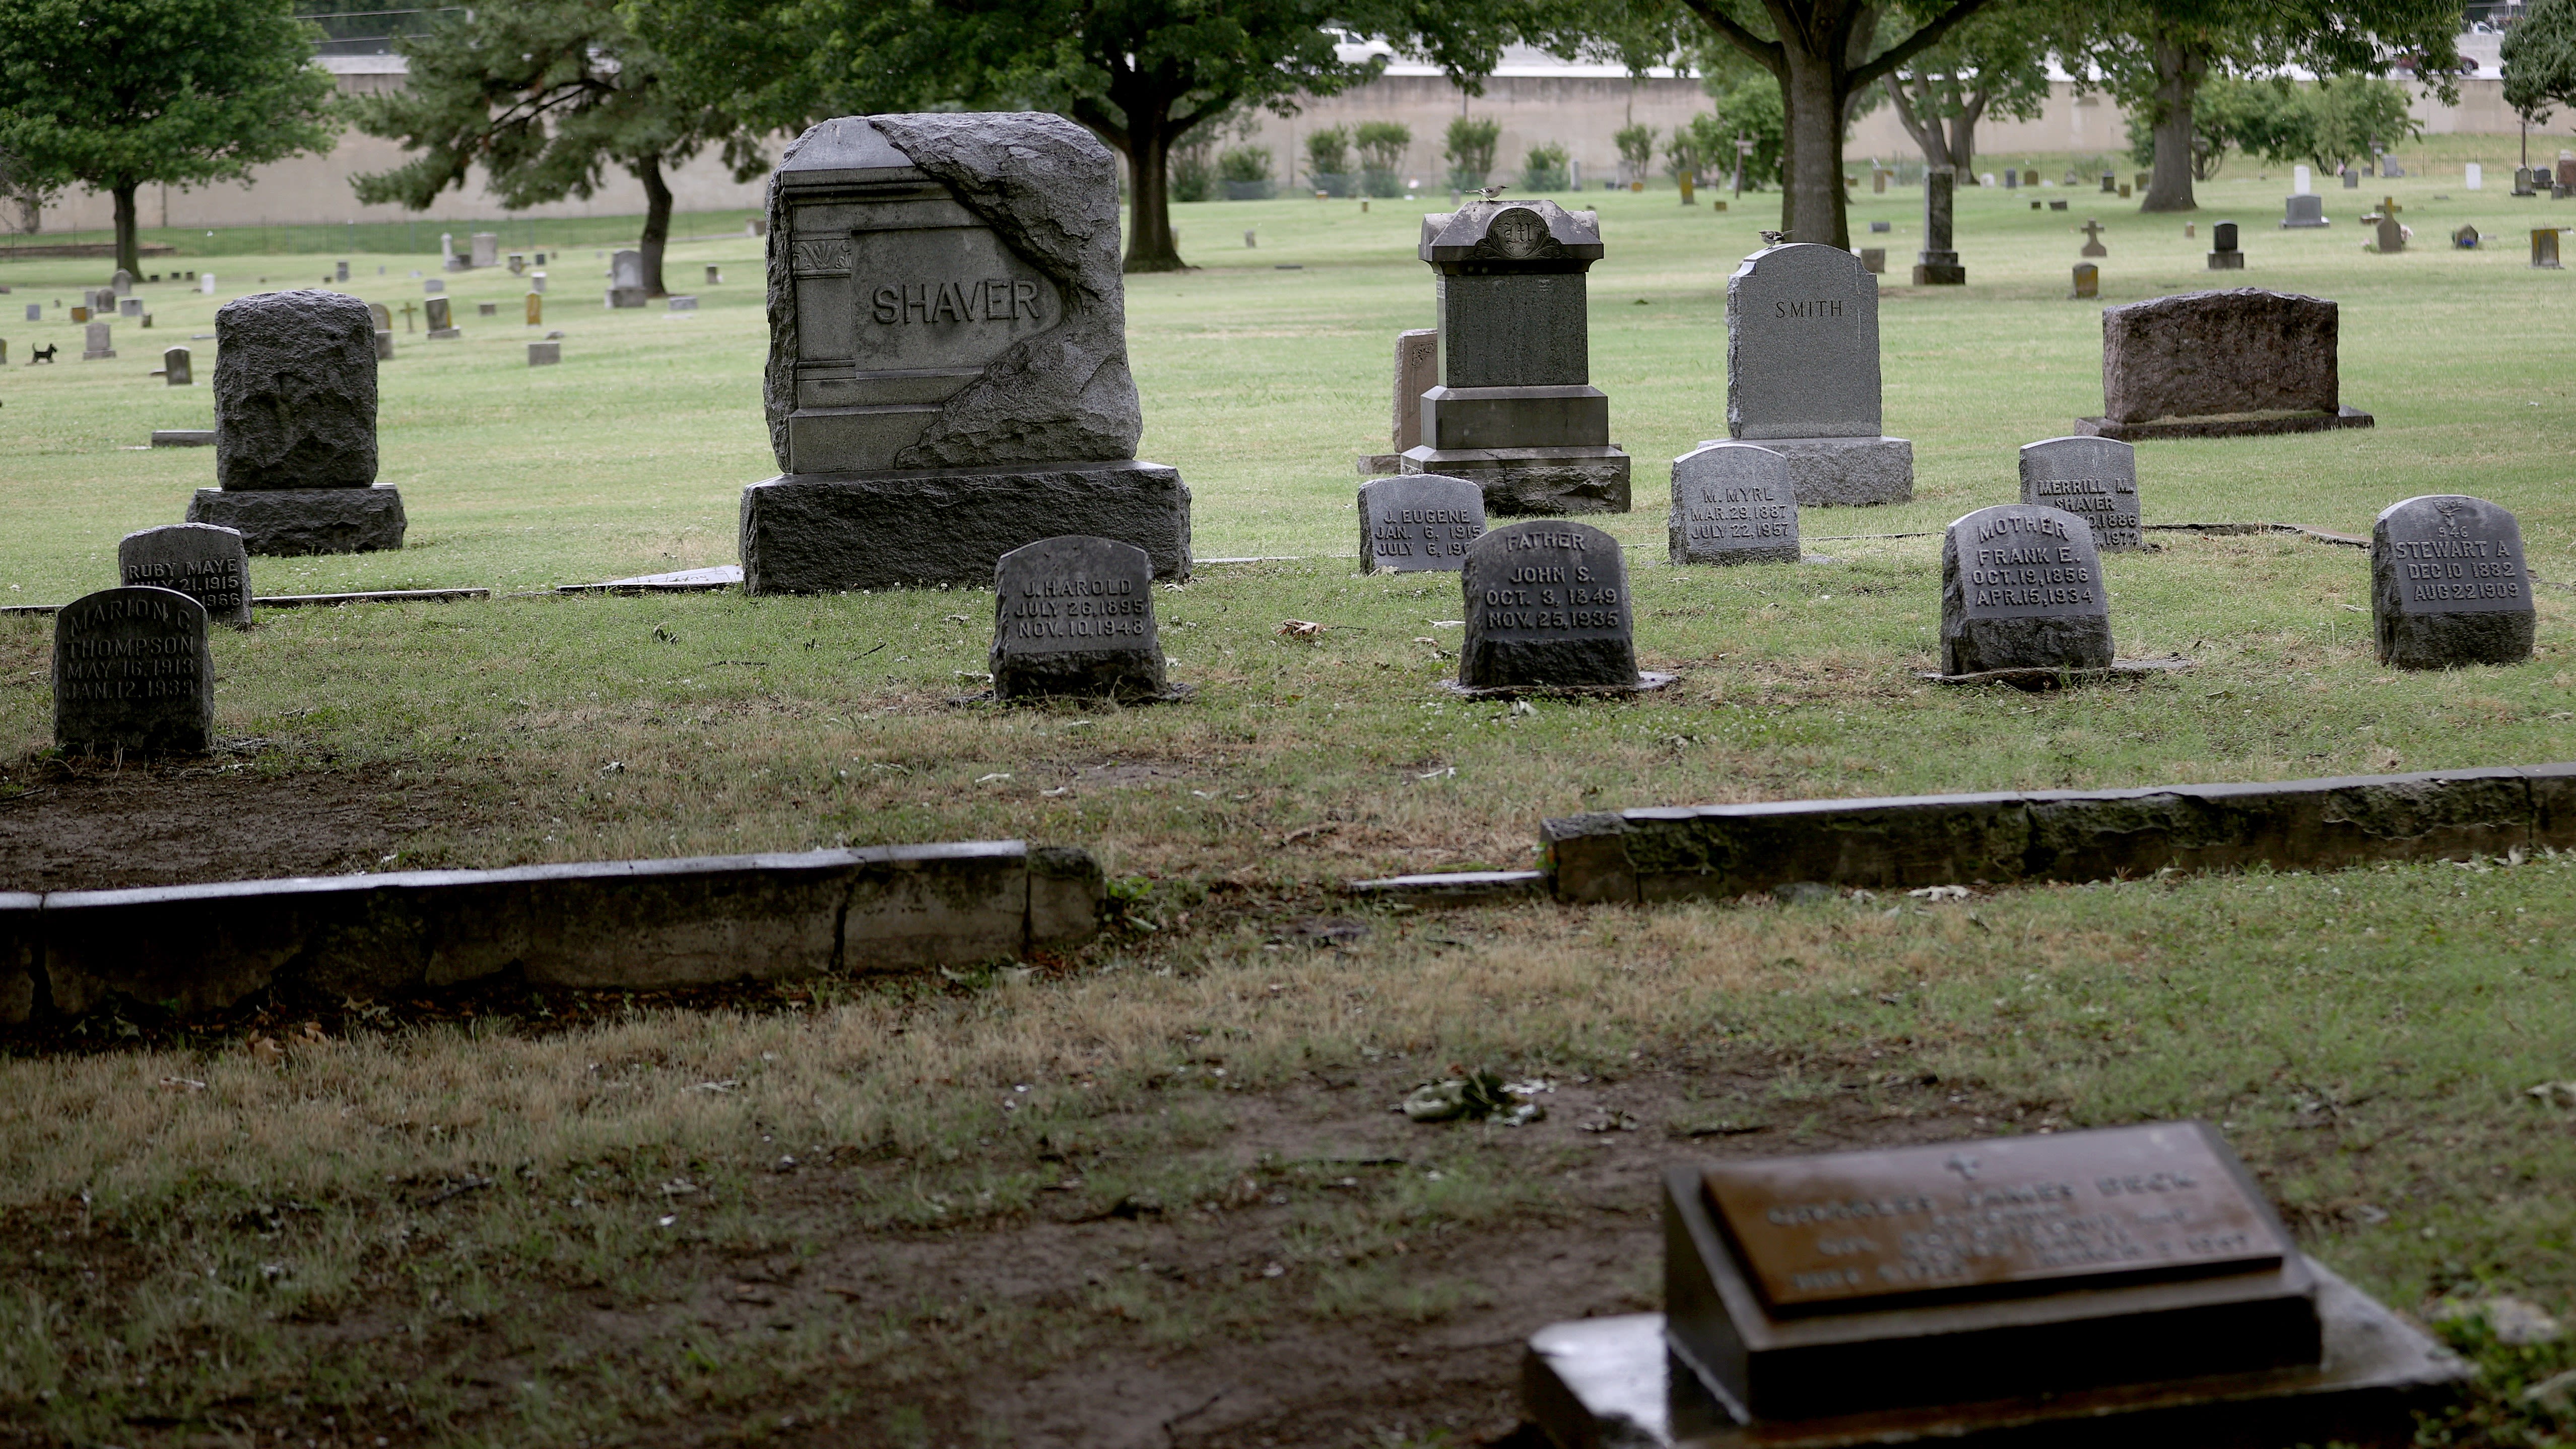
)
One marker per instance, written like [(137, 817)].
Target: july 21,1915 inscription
[(2448, 585), (132, 674), (2095, 479), (2021, 588), (1075, 616), (1419, 522), (209, 564)]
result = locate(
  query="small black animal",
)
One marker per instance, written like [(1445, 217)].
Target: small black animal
[(39, 354)]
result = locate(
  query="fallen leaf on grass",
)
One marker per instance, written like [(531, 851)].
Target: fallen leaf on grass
[(183, 1084), (2556, 1094), (1937, 894), (1300, 629)]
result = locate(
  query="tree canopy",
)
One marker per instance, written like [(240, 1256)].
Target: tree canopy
[(1994, 65), (2540, 60), (120, 94)]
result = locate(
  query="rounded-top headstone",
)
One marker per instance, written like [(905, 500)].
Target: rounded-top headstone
[(295, 392), (1802, 345), (208, 563), (132, 673), (2448, 586), (1418, 522), (1547, 606), (1075, 616), (1733, 503), (2021, 588), (2093, 478)]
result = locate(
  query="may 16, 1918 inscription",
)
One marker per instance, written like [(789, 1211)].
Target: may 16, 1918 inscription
[(1547, 607), (1075, 616), (1732, 503), (1419, 522), (2448, 586), (1846, 1230), (209, 564), (2096, 479), (2021, 588), (132, 673)]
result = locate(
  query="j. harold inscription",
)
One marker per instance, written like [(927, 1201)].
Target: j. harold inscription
[(132, 673), (1075, 616)]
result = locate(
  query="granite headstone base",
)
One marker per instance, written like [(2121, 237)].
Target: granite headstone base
[(2223, 425), (1844, 472), (285, 522), (2039, 642), (2448, 641), (1534, 482), (1940, 274), (825, 533)]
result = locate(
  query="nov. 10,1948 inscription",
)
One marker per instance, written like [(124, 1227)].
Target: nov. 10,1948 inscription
[(1821, 1234)]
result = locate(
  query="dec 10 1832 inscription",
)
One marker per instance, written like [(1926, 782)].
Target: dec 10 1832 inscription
[(2448, 585)]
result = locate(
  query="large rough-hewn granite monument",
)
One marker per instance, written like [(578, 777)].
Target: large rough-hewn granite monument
[(2221, 365), (1516, 410), (2021, 588), (2448, 587), (948, 358), (1802, 374), (295, 427)]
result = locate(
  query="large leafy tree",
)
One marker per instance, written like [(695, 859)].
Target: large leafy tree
[(546, 96), (1995, 65), (2540, 63), (123, 94), (1144, 75)]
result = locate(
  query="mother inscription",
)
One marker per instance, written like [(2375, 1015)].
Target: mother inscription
[(1419, 522), (2021, 588), (132, 674), (2448, 586), (1547, 606)]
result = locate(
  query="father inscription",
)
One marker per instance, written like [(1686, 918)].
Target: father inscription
[(207, 563), (2095, 479), (1075, 616), (132, 674), (1419, 522), (1547, 607), (2021, 588), (2448, 585), (1732, 504)]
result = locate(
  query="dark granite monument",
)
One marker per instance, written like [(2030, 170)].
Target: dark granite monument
[(1938, 263), (2021, 588), (1515, 409), (2220, 364), (132, 674), (1547, 609), (2448, 585), (1732, 504), (1418, 522), (175, 367), (208, 564), (295, 427), (2223, 253), (947, 357), (2096, 479), (1075, 616), (1802, 374)]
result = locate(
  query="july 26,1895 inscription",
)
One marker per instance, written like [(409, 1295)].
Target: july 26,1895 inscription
[(1075, 616), (132, 673)]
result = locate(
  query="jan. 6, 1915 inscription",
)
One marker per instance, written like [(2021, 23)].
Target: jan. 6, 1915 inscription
[(2096, 479), (132, 673), (1419, 522), (1840, 1231)]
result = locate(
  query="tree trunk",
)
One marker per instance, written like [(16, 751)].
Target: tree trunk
[(657, 220), (2179, 67), (1151, 246), (1926, 130), (1963, 137), (129, 243), (1811, 158)]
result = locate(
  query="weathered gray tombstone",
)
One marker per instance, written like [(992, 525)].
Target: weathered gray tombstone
[(2544, 247), (2448, 586), (442, 319), (35, 311), (544, 354), (518, 264), (2223, 253), (122, 283), (1732, 504), (487, 309), (2221, 364), (2388, 232), (433, 287), (1417, 371), (2465, 238), (715, 274), (2088, 280), (2092, 240), (1802, 374), (1515, 409), (537, 283), (129, 307), (948, 358), (340, 271), (97, 343), (174, 367), (1075, 616), (209, 564), (132, 674), (382, 315), (2351, 179), (1419, 521), (487, 249), (384, 345), (1938, 263), (1547, 608), (626, 279), (683, 304), (2306, 209), (295, 427), (1873, 260), (2021, 588), (2096, 479)]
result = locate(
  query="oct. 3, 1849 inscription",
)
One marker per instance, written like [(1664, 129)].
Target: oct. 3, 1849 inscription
[(1548, 609), (1850, 1230), (1075, 616), (132, 674), (1419, 522)]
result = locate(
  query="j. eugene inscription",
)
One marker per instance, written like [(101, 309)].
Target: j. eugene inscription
[(1419, 522), (1820, 1234), (132, 673)]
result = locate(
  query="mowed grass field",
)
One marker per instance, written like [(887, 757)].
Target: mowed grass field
[(1152, 1193)]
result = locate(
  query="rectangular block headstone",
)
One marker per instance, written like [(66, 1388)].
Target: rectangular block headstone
[(1418, 522), (35, 311), (174, 367), (295, 392), (210, 565), (1075, 616), (1417, 371), (340, 271), (96, 343), (1802, 345), (434, 286), (626, 279), (487, 249), (2021, 588), (2096, 479), (683, 304), (1873, 260), (2302, 181), (487, 309), (384, 344), (1732, 504), (130, 307), (2088, 279), (132, 673), (2303, 210), (206, 284), (2203, 353), (122, 283), (715, 274), (535, 308), (2448, 584), (2475, 177), (544, 354), (1547, 605), (441, 318), (2544, 246)]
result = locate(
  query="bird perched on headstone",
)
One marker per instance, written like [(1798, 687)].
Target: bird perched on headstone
[(1492, 193), (1774, 238)]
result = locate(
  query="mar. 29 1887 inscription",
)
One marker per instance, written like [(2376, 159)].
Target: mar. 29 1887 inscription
[(1822, 1234)]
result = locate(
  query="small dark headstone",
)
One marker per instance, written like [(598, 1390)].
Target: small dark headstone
[(1547, 606), (1418, 522), (208, 564), (441, 318), (2466, 238), (2448, 586), (2223, 255), (2096, 479), (1732, 504), (2088, 280), (2544, 247), (1075, 616), (2058, 205), (1882, 226), (2021, 588), (132, 674)]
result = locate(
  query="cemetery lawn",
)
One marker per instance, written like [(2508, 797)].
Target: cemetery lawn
[(504, 1219)]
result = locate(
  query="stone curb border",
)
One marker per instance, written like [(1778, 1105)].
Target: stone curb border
[(1905, 842), (633, 924)]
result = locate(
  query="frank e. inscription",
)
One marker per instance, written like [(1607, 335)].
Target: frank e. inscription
[(1075, 616), (2021, 588), (1419, 522), (132, 673)]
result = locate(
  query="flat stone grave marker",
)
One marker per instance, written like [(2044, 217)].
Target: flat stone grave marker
[(97, 343), (1075, 616), (487, 309), (2057, 205), (544, 354), (2448, 584), (2221, 364), (2096, 479), (1548, 611), (2021, 588), (683, 304), (174, 367), (434, 286), (132, 674), (2544, 247), (1732, 504), (209, 564), (1419, 522), (1802, 374), (442, 319)]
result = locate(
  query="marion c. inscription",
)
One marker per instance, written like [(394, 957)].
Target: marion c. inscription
[(132, 673)]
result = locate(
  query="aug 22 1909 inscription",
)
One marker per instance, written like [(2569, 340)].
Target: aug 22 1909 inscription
[(1846, 1230)]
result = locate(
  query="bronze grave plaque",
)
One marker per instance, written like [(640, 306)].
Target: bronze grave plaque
[(1851, 1230)]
